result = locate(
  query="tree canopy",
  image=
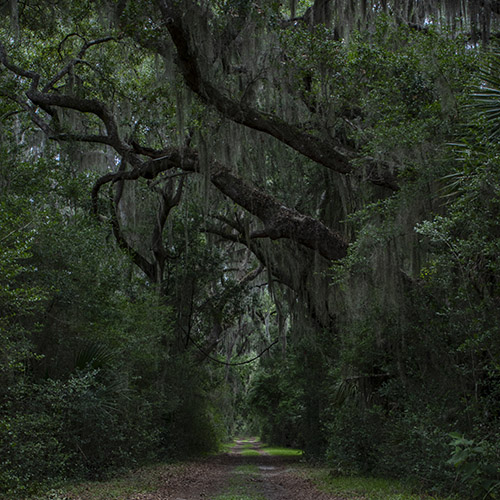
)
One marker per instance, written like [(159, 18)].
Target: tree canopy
[(281, 210)]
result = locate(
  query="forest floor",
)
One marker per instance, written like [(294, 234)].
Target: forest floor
[(245, 472)]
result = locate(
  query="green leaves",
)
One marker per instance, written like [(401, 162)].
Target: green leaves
[(486, 100), (473, 463)]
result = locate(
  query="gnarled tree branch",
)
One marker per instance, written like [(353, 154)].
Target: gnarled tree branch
[(323, 151), (279, 221)]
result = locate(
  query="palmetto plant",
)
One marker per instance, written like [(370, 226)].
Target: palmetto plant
[(487, 99), (475, 147), (93, 355)]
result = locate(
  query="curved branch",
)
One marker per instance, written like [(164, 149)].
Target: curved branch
[(139, 260), (32, 75), (211, 358), (113, 177), (322, 151), (279, 220), (93, 106), (64, 71)]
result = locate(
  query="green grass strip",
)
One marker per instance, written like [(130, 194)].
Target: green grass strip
[(143, 480), (282, 452), (249, 453), (366, 487)]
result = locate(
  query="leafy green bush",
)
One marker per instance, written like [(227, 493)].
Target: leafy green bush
[(31, 428), (355, 437), (76, 427), (477, 464)]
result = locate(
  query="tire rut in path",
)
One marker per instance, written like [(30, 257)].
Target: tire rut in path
[(280, 479)]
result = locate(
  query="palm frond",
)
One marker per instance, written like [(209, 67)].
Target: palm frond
[(486, 100), (93, 355)]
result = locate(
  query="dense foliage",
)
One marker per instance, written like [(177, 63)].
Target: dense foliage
[(91, 378), (233, 216)]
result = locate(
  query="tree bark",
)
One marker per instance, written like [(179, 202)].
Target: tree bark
[(323, 151)]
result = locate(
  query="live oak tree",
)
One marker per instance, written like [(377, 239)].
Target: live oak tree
[(247, 69), (300, 143)]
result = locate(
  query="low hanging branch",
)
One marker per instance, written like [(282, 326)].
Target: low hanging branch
[(324, 152), (239, 363), (279, 221)]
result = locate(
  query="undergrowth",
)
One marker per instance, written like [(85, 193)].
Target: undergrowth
[(143, 480), (367, 488)]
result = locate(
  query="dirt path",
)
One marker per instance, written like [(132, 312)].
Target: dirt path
[(238, 475)]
